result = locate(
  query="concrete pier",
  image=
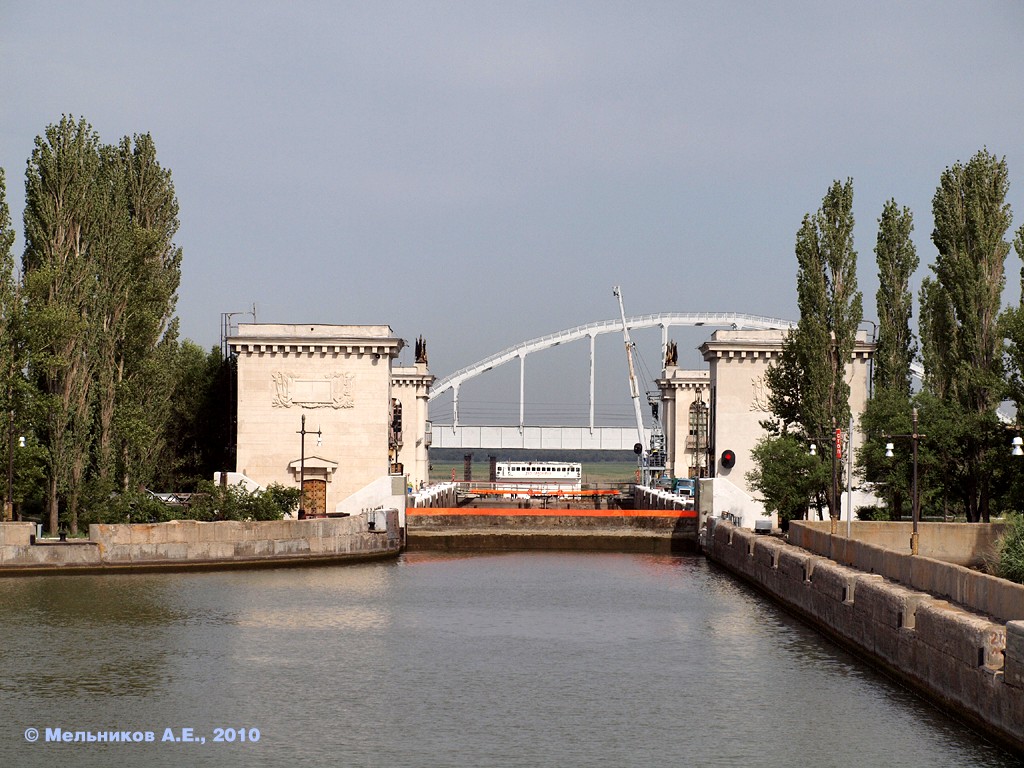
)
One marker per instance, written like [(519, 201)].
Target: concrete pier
[(188, 544), (506, 528)]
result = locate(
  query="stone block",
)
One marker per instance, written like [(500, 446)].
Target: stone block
[(175, 550), (108, 535), (767, 551), (834, 581), (16, 534), (1013, 664), (290, 547), (888, 604), (968, 638)]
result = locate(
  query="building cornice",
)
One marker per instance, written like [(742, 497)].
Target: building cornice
[(322, 347), (748, 349)]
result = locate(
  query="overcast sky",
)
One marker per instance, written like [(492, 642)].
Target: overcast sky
[(482, 173)]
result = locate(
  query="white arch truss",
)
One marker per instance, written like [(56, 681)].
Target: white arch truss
[(593, 330)]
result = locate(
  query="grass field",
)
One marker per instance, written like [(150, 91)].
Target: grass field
[(593, 471)]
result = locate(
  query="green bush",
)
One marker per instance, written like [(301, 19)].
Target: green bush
[(211, 502), (872, 513), (1011, 550), (233, 502)]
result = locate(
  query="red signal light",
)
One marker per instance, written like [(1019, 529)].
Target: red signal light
[(728, 459)]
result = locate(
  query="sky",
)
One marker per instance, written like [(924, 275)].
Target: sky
[(482, 173)]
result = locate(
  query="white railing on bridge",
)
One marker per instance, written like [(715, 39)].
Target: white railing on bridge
[(591, 331)]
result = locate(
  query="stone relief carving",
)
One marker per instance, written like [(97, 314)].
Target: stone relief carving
[(335, 390), (341, 390), (759, 399), (282, 389)]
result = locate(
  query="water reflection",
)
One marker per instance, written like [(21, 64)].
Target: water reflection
[(539, 659)]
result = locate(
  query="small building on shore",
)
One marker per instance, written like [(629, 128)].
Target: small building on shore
[(324, 405), (716, 413)]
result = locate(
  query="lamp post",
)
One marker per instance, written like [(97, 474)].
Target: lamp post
[(9, 499), (302, 464), (836, 441), (914, 437)]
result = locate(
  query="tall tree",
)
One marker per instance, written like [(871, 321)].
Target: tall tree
[(831, 308), (61, 197), (139, 284), (808, 389), (9, 314), (897, 260), (888, 411), (960, 309), (1013, 331)]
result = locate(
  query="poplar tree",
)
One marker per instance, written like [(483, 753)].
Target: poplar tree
[(961, 338), (101, 276), (1013, 331), (59, 275), (9, 313), (808, 390), (140, 293), (897, 261), (888, 411), (831, 309)]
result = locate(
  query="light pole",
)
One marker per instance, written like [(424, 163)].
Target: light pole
[(302, 464), (9, 500), (836, 440), (914, 437)]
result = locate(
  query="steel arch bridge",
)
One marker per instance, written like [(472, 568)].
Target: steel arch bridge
[(607, 437)]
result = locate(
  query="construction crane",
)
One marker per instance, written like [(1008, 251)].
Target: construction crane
[(656, 455), (634, 389)]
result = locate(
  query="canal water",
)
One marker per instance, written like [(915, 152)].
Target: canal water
[(526, 659)]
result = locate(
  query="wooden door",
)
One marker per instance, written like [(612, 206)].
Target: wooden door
[(315, 497)]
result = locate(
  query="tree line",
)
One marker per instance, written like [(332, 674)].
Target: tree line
[(970, 348), (100, 392)]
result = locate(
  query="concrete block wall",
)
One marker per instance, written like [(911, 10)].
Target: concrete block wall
[(16, 534), (437, 495), (192, 543), (963, 660), (875, 548)]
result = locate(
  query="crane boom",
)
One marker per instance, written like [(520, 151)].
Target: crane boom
[(634, 389)]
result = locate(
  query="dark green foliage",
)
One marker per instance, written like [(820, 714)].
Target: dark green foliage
[(786, 476), (232, 502), (1011, 550), (961, 341), (211, 503), (1012, 330), (63, 224), (897, 260), (886, 414), (100, 279), (197, 433), (872, 513), (808, 392)]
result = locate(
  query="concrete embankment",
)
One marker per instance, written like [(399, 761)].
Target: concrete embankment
[(186, 544), (960, 658), (504, 529)]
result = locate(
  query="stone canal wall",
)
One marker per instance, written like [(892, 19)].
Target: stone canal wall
[(494, 528), (941, 569), (965, 661), (188, 543)]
